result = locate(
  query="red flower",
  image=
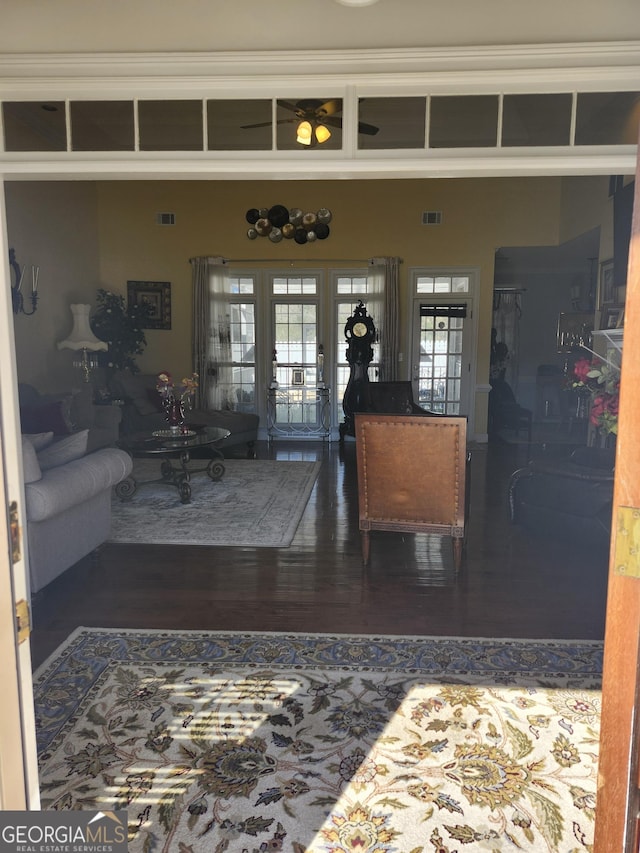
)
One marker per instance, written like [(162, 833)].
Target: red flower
[(581, 368)]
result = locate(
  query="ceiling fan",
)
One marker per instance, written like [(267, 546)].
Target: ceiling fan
[(314, 119)]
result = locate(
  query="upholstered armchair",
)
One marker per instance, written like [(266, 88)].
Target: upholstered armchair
[(412, 476)]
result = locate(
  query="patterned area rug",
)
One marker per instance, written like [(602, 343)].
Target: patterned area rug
[(327, 744), (257, 502)]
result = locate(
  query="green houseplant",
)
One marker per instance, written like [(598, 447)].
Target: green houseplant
[(121, 327)]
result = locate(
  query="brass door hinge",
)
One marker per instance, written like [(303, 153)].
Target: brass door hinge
[(626, 552), (14, 529), (23, 621)]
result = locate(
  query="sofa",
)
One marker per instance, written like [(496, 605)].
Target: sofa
[(66, 413), (67, 500), (142, 412)]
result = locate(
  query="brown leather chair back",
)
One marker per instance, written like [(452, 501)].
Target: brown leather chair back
[(412, 475)]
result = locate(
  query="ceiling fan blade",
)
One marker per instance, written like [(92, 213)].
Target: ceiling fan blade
[(331, 121), (287, 106), (266, 123), (251, 126), (329, 108), (369, 129)]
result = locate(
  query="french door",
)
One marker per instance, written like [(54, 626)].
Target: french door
[(297, 402), (443, 341)]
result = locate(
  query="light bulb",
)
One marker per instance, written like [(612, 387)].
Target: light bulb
[(304, 133), (322, 133)]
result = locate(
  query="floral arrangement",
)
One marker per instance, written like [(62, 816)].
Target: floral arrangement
[(601, 380), (184, 392)]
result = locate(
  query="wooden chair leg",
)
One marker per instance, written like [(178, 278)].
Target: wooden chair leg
[(364, 538), (457, 552)]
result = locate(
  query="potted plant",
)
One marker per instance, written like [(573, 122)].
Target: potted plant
[(121, 327)]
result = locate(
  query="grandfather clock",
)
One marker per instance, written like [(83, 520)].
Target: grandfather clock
[(360, 333)]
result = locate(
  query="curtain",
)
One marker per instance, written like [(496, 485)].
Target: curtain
[(200, 336), (221, 392), (212, 334), (507, 310), (384, 284)]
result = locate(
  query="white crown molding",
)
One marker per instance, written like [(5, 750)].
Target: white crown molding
[(331, 63), (205, 166)]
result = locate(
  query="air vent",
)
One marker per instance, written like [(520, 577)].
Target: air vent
[(166, 218), (432, 217)]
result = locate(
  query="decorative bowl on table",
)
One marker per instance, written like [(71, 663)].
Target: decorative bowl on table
[(169, 433)]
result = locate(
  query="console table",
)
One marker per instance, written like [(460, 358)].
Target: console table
[(298, 411)]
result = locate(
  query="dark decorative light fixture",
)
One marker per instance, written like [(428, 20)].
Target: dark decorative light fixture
[(17, 297), (279, 222)]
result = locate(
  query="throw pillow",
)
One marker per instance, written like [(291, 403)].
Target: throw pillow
[(40, 439), (52, 417), (66, 450), (30, 466)]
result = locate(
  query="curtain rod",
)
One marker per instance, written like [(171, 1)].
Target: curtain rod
[(223, 261), (509, 289)]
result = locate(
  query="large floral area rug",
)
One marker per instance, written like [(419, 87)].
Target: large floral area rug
[(327, 744), (257, 503)]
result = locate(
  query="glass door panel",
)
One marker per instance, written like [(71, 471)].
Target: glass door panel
[(438, 365), (296, 404)]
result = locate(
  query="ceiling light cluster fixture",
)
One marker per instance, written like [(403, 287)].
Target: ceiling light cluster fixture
[(280, 222), (312, 132)]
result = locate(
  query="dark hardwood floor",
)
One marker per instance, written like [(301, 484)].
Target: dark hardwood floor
[(512, 584)]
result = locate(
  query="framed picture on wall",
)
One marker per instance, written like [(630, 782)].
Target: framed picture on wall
[(606, 290), (611, 317), (156, 294)]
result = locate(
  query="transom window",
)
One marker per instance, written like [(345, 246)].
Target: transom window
[(426, 121), (442, 284)]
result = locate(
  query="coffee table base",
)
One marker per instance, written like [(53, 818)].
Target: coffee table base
[(178, 476)]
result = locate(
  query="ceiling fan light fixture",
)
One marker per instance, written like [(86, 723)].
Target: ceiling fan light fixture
[(304, 133), (322, 133)]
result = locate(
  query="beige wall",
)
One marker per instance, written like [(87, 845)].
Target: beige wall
[(193, 25), (86, 235), (369, 218), (53, 226)]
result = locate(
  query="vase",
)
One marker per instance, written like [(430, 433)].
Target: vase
[(174, 414)]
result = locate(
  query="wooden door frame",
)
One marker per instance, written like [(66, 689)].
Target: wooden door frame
[(618, 798)]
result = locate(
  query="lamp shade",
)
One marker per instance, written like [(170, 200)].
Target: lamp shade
[(81, 336), (322, 133), (303, 133)]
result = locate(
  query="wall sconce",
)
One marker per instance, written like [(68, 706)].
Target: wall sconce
[(83, 341), (17, 297)]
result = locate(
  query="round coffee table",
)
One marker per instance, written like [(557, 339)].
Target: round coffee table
[(175, 450)]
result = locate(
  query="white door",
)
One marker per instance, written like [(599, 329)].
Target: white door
[(18, 767), (443, 341)]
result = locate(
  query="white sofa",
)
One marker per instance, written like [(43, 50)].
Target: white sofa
[(68, 501)]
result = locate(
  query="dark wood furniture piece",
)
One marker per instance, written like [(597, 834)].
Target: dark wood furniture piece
[(412, 476), (394, 398), (359, 333)]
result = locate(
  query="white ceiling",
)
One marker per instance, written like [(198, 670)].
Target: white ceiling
[(212, 25)]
